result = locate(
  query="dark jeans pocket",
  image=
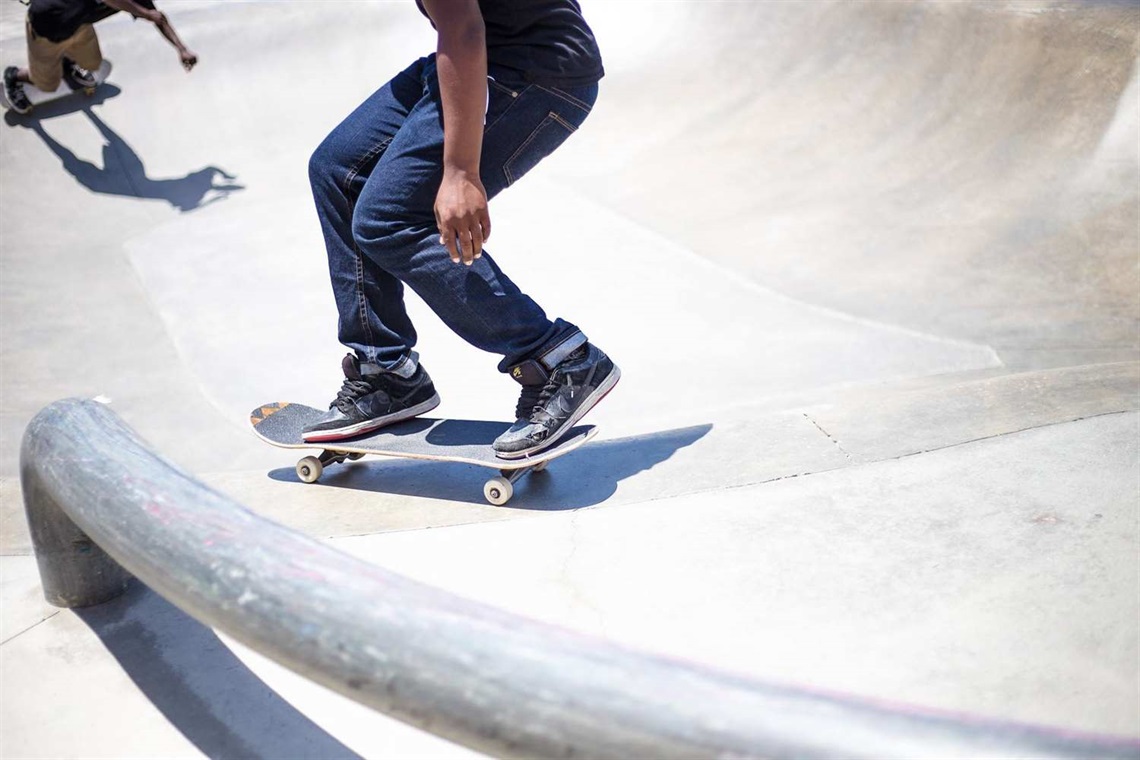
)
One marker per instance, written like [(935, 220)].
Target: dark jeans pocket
[(549, 134), (500, 99)]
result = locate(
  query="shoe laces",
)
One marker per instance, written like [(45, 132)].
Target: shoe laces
[(349, 392), (534, 397)]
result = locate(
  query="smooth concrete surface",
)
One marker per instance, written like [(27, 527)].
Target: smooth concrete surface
[(871, 274), (957, 162), (859, 425), (975, 576), (984, 577)]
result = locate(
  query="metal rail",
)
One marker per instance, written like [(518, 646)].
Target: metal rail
[(103, 506)]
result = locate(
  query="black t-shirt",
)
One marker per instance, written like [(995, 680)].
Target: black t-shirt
[(57, 20), (545, 41)]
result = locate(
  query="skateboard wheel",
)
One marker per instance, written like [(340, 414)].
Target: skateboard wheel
[(498, 491), (309, 469), (540, 466)]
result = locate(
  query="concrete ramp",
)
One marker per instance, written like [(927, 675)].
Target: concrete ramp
[(872, 274), (969, 167)]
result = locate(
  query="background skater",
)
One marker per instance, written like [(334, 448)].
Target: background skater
[(62, 43)]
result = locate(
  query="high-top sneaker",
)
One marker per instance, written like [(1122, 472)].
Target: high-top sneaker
[(77, 77), (552, 402), (14, 91), (369, 402)]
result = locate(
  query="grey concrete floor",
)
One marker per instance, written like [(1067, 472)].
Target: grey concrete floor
[(871, 274)]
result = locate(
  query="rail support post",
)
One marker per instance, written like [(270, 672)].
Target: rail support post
[(74, 570)]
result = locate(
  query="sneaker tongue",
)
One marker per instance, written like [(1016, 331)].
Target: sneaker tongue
[(351, 366), (530, 373)]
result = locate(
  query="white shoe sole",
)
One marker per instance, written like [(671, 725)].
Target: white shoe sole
[(591, 401), (368, 426)]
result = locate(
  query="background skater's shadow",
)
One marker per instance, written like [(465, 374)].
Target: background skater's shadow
[(123, 172)]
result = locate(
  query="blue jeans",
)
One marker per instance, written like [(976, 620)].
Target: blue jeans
[(375, 179)]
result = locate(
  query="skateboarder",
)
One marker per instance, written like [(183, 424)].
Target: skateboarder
[(62, 43), (401, 189)]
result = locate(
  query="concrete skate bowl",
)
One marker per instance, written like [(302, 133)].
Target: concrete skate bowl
[(969, 168), (910, 191)]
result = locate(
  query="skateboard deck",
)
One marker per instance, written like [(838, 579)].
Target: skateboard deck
[(39, 97), (427, 438)]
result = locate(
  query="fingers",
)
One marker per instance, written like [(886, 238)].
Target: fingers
[(464, 243), (448, 240), (462, 218), (477, 239)]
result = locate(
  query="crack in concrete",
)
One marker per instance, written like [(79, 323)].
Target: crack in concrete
[(1005, 433), (33, 626), (808, 473), (830, 437)]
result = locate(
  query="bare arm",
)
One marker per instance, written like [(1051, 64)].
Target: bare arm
[(461, 62), (158, 18)]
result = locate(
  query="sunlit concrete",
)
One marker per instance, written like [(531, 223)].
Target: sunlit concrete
[(871, 274)]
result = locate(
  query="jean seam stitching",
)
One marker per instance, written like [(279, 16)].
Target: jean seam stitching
[(361, 295), (558, 118), (346, 188), (510, 91), (550, 117), (567, 97), (362, 300), (514, 101), (354, 170)]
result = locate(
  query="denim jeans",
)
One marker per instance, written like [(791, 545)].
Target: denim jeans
[(375, 179)]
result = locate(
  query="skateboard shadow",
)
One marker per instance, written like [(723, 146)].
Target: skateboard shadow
[(123, 172), (583, 478), (73, 103), (200, 686), (459, 433)]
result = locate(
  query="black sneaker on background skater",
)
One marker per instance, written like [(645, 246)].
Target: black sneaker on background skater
[(369, 402), (552, 403), (14, 91), (76, 76)]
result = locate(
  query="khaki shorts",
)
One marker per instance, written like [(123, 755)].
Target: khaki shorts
[(45, 58)]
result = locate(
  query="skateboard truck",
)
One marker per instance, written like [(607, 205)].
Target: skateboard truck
[(498, 491), (309, 469)]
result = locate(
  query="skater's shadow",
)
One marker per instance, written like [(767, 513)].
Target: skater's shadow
[(200, 686), (582, 478), (123, 173)]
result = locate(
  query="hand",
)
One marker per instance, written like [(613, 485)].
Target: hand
[(189, 58), (462, 217)]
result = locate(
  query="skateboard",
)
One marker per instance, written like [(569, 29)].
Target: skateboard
[(428, 438), (39, 97)]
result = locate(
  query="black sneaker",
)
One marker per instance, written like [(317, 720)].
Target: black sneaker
[(14, 91), (368, 402), (552, 403), (77, 77)]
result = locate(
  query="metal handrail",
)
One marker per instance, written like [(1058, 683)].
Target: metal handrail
[(103, 506)]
